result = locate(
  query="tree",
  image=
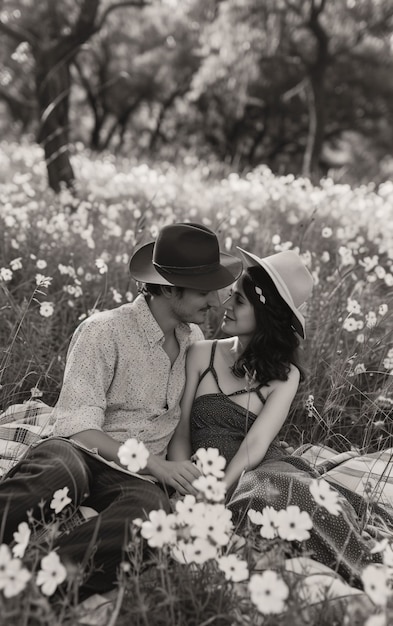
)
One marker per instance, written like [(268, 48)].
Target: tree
[(275, 69), (55, 31), (140, 64)]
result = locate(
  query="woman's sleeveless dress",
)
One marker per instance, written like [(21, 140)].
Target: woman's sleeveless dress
[(281, 480)]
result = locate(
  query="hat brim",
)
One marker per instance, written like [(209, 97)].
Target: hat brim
[(298, 319), (143, 270)]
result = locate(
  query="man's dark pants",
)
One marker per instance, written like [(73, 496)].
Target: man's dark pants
[(118, 498)]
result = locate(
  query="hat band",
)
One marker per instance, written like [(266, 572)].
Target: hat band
[(189, 270)]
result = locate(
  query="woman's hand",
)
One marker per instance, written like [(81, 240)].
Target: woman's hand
[(178, 474)]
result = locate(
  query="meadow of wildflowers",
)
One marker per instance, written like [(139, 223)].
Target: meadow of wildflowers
[(62, 257)]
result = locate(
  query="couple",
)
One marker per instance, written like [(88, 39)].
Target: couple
[(125, 374)]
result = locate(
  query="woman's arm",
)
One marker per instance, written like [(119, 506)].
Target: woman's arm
[(265, 428), (179, 448)]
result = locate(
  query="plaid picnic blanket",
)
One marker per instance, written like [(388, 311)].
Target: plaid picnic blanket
[(368, 475), (22, 425)]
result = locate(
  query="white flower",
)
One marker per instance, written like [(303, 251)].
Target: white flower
[(133, 454), (51, 574), (388, 360), (353, 306), (371, 319), (159, 529), (102, 266), (380, 271), (268, 592), (189, 512), (212, 488), (234, 569), (46, 309), (5, 559), (325, 496), (326, 232), (5, 274), (346, 255), (325, 256), (360, 338), (293, 524), (369, 262), (22, 538), (16, 264), (36, 392), (179, 551), (199, 551), (387, 555), (60, 499), (382, 309), (388, 279), (116, 295), (359, 369), (256, 517), (375, 581), (41, 264), (309, 405), (210, 462), (13, 577), (213, 523), (350, 324), (43, 281), (268, 522)]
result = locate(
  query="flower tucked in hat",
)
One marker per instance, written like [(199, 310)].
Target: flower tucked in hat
[(291, 278), (185, 255)]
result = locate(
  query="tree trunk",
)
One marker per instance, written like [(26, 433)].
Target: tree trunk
[(316, 125), (316, 93), (53, 84)]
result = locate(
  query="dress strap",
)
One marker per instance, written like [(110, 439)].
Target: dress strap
[(245, 390), (210, 367)]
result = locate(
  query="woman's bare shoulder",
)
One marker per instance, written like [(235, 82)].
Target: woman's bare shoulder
[(199, 349), (292, 380)]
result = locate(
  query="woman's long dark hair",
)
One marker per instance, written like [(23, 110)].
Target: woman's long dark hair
[(274, 344)]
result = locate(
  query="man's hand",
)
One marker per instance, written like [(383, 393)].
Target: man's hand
[(285, 446), (178, 474)]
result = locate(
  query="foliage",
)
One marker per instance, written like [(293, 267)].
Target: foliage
[(64, 256), (199, 571), (301, 86)]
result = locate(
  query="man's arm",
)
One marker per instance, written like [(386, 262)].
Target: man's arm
[(88, 375), (81, 407), (179, 475)]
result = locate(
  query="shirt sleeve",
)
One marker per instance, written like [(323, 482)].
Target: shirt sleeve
[(90, 367)]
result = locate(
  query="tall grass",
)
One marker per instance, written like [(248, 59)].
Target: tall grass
[(345, 235), (63, 257)]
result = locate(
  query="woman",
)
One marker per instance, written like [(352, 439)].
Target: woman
[(237, 397)]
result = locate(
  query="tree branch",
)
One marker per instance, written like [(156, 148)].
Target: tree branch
[(126, 3), (15, 100), (17, 33)]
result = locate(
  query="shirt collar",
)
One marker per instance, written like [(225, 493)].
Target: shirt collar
[(149, 324)]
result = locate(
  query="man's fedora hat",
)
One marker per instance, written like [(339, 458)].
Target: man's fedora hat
[(292, 279), (185, 255)]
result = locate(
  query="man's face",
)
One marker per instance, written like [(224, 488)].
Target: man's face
[(192, 305)]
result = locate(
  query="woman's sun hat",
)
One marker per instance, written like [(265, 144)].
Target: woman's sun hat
[(185, 255), (291, 278)]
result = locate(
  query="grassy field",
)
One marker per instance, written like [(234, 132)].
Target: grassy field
[(61, 258)]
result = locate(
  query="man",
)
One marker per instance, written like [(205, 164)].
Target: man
[(124, 378)]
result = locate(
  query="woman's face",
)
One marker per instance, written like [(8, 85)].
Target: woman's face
[(239, 318)]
